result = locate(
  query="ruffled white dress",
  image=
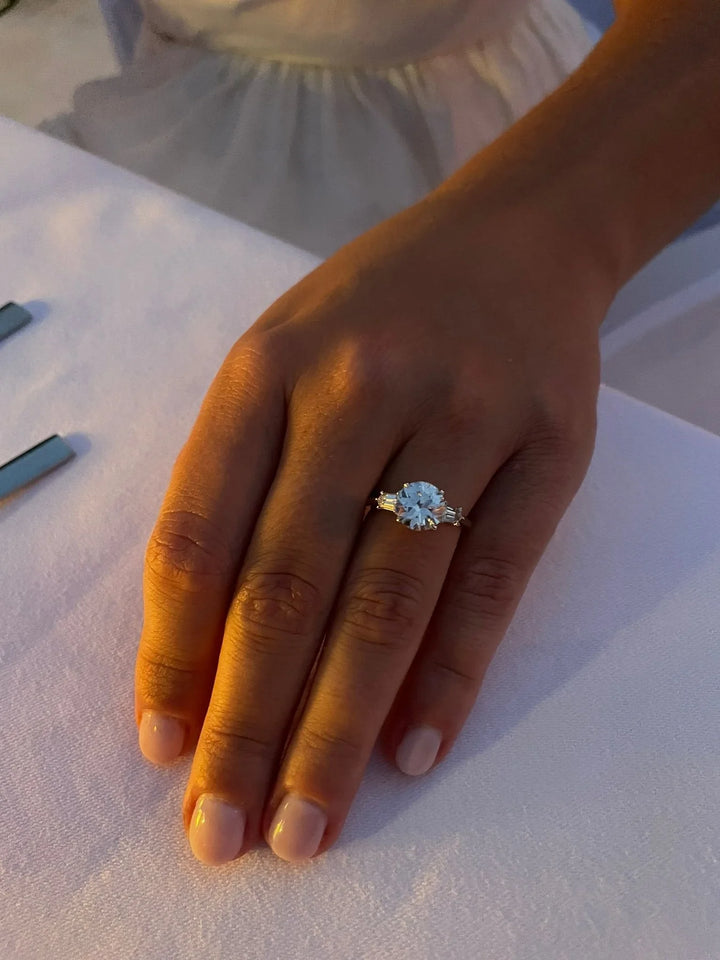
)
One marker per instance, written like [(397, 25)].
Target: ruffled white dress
[(315, 119)]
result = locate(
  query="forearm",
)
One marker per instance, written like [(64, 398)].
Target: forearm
[(626, 153)]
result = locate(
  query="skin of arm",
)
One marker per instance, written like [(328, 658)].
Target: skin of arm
[(627, 149)]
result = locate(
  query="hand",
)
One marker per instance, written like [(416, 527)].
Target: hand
[(453, 346)]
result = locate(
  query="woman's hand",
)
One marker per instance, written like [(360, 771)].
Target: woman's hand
[(449, 345)]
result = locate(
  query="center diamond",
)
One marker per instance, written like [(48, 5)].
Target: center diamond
[(420, 505)]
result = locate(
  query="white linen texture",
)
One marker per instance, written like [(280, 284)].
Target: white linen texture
[(577, 815)]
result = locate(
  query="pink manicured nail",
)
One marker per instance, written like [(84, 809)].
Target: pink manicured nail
[(160, 737), (416, 754), (216, 830), (297, 828)]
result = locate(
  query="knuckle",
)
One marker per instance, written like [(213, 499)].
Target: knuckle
[(467, 681), (164, 677), (384, 608), (354, 373), (186, 550), (566, 428), (553, 462), (466, 415), (252, 354), (156, 658), (488, 589), (322, 742), (460, 406), (222, 740), (271, 604), (356, 366), (252, 366), (541, 480), (473, 386)]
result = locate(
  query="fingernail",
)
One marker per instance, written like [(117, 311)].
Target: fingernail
[(216, 830), (160, 737), (416, 754), (297, 828)]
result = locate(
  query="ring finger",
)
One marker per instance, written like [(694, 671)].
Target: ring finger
[(390, 591), (512, 524)]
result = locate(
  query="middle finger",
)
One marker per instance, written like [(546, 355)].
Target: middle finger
[(390, 591), (273, 630)]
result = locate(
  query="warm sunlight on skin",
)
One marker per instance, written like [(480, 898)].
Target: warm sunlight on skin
[(455, 343)]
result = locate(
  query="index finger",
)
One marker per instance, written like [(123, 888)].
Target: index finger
[(216, 490)]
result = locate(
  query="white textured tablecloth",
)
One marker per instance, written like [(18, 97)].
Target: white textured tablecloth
[(669, 354), (578, 816)]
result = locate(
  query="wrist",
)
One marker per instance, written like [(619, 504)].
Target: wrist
[(535, 216), (625, 154)]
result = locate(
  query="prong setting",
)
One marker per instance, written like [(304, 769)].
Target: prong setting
[(420, 505)]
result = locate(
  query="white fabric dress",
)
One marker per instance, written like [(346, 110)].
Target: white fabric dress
[(315, 119)]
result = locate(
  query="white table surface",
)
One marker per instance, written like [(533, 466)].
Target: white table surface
[(668, 354), (578, 815)]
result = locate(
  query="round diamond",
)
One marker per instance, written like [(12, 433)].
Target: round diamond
[(420, 505)]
